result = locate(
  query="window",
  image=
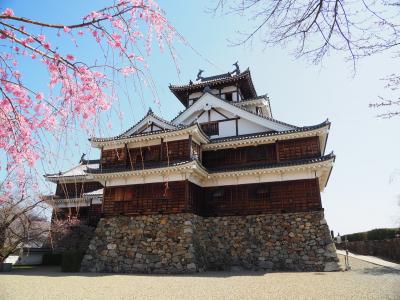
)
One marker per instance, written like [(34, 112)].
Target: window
[(262, 192), (228, 96), (211, 128)]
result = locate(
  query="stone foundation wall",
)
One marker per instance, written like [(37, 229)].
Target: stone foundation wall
[(187, 243)]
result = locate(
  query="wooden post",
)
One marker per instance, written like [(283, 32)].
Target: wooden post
[(161, 150), (190, 147), (126, 155), (237, 126), (101, 158), (104, 197), (277, 150), (186, 195)]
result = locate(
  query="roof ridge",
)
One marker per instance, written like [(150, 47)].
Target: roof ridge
[(194, 83)]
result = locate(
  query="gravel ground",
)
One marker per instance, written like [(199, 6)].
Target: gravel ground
[(364, 281)]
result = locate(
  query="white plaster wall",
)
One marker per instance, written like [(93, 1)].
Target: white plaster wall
[(26, 259), (246, 127), (270, 177), (227, 128)]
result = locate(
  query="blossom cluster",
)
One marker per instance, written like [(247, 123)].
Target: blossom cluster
[(77, 90)]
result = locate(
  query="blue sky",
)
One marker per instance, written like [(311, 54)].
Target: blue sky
[(363, 190)]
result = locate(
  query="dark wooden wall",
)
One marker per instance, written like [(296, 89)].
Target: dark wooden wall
[(282, 151), (184, 196), (137, 158), (151, 198), (76, 189), (275, 197), (240, 156), (298, 149)]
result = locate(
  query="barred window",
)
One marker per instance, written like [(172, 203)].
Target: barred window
[(211, 128)]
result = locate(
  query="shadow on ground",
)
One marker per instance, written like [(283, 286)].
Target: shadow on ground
[(379, 271), (55, 271)]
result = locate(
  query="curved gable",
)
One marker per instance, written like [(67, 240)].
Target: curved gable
[(232, 119)]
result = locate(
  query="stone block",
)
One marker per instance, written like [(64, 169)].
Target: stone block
[(331, 266)]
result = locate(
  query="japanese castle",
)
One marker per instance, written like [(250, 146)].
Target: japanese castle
[(223, 160)]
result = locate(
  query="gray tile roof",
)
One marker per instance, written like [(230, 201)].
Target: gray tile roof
[(158, 165), (145, 166), (216, 79), (269, 133), (272, 165)]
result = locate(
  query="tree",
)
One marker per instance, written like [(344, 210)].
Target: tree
[(78, 90), (317, 27), (22, 223)]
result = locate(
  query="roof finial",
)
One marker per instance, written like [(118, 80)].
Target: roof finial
[(150, 111), (82, 158), (237, 69), (199, 74)]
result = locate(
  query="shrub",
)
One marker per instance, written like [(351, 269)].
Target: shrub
[(71, 261), (381, 234), (52, 259), (359, 236), (372, 235)]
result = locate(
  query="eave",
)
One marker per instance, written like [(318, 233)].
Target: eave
[(193, 170), (67, 179), (189, 166), (57, 202), (320, 130), (319, 168)]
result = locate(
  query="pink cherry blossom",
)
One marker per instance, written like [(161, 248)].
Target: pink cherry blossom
[(78, 91), (70, 57), (39, 96), (8, 12)]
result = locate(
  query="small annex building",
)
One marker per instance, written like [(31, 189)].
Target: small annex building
[(223, 185)]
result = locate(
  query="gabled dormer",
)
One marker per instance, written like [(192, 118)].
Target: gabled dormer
[(150, 123)]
